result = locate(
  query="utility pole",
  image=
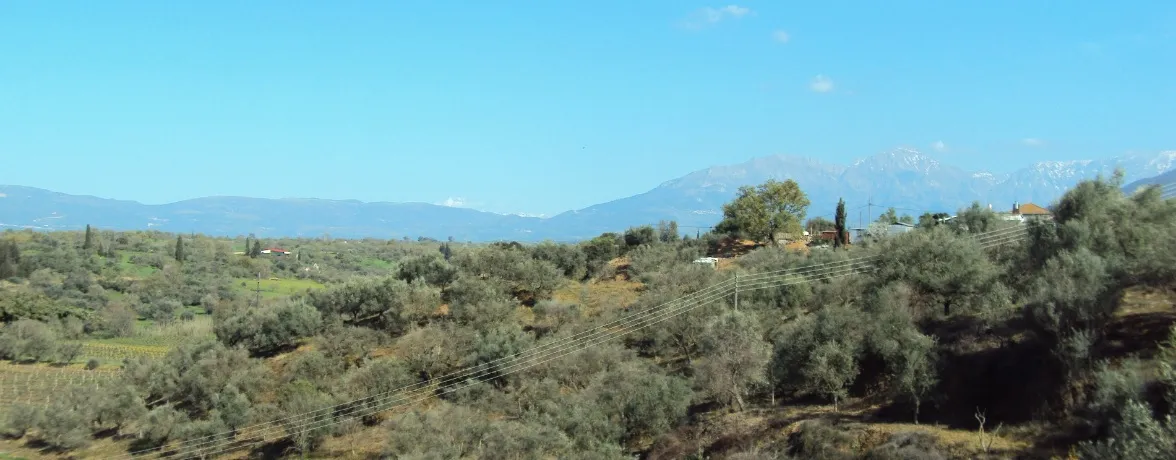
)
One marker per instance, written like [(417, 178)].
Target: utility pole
[(736, 291), (257, 292), (870, 207)]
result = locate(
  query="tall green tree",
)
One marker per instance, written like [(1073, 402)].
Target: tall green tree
[(760, 213), (667, 232), (256, 251), (179, 248), (88, 243), (839, 225), (9, 259)]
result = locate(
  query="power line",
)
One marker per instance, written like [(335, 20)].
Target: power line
[(419, 395), (992, 241), (567, 345), (710, 292)]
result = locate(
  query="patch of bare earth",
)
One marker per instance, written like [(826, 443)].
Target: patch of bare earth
[(720, 434)]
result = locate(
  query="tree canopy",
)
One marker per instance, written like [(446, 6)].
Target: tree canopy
[(761, 213)]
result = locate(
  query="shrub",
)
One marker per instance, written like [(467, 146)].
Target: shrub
[(66, 423), (387, 304), (162, 311), (68, 352), (570, 259), (431, 269), (20, 418), (270, 328), (28, 339), (736, 358)]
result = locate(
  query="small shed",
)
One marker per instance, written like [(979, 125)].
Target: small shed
[(711, 261), (898, 228)]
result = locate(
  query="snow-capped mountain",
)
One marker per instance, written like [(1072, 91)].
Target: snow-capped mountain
[(902, 178)]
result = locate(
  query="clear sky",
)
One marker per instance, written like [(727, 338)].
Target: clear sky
[(544, 106)]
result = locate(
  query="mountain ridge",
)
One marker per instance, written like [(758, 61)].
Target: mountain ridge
[(902, 177)]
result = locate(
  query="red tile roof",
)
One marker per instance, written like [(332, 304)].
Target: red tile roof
[(1031, 209)]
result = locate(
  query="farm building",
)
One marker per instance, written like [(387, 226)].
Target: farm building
[(1030, 211), (275, 251), (857, 235)]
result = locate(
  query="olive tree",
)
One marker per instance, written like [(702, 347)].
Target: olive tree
[(944, 270), (735, 358), (269, 328)]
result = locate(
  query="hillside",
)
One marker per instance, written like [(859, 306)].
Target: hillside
[(982, 340)]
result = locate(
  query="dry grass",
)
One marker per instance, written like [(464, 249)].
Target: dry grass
[(1145, 319), (1143, 300), (798, 246), (599, 296), (734, 248), (99, 448), (720, 433), (958, 443)]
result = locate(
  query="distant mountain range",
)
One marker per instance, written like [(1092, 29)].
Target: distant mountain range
[(902, 178), (1166, 180)]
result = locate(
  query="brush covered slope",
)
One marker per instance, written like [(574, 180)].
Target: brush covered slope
[(976, 338)]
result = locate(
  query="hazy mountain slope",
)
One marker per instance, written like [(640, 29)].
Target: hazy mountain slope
[(903, 178), (1167, 180), (695, 199), (1046, 181), (42, 209)]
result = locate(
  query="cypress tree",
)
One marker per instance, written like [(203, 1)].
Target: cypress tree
[(256, 249), (9, 260), (179, 248), (88, 243), (842, 237)]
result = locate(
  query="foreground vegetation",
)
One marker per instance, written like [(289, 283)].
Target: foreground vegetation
[(964, 339)]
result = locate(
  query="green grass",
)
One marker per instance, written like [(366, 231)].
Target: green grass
[(150, 339), (271, 288), (379, 264), (133, 270)]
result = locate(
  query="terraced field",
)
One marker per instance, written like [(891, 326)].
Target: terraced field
[(38, 383), (114, 352)]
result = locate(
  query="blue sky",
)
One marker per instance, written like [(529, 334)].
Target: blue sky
[(541, 107)]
